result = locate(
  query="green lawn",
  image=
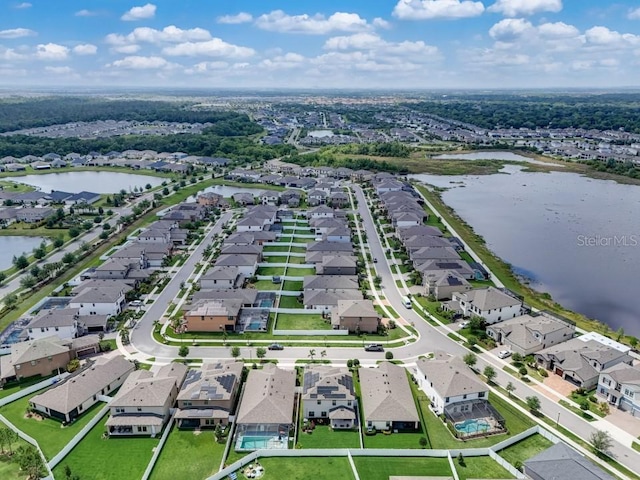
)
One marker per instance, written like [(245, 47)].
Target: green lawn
[(298, 249), (285, 238), (50, 434), (395, 440), (291, 321), (480, 467), (381, 468), (12, 388), (275, 248), (290, 302), (297, 260), (270, 271), (98, 458), (183, 444), (292, 286), (266, 285), (303, 240), (275, 259), (325, 437), (300, 272), (10, 470), (304, 468), (525, 449)]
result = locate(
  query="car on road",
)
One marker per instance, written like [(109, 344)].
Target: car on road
[(375, 260), (135, 303), (374, 347), (276, 346), (504, 354)]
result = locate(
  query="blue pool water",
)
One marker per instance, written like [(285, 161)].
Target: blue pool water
[(266, 303), (13, 337), (472, 426), (255, 442)]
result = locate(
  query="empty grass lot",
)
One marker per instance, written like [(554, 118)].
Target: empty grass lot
[(289, 302), (270, 271), (183, 444), (381, 468), (50, 434), (325, 437), (303, 240), (480, 467), (100, 458), (525, 449), (300, 272), (304, 468), (291, 321)]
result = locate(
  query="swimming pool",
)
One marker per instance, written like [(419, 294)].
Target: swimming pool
[(267, 303), (474, 425), (257, 442)]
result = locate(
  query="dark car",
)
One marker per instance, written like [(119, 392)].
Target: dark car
[(276, 346), (374, 347), (375, 260)]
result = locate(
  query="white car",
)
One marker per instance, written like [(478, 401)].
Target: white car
[(464, 324), (504, 354)]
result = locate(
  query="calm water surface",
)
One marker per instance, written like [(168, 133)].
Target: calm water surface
[(98, 182), (15, 246), (574, 237)]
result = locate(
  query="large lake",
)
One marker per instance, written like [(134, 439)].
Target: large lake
[(574, 237), (15, 246), (98, 182)]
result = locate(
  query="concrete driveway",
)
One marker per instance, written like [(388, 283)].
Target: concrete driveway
[(625, 421), (556, 383)]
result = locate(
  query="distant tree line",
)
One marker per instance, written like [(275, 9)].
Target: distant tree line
[(327, 159)]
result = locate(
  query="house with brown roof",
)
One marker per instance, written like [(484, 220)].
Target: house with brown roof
[(70, 398), (328, 394), (142, 405), (387, 401), (213, 315), (208, 395), (355, 316)]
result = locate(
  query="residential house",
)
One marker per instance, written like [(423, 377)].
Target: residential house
[(356, 316), (443, 283), (491, 304), (210, 199), (328, 394), (436, 267), (251, 224), (245, 263), (112, 269), (33, 215), (221, 278), (62, 322), (420, 230), (444, 254), (449, 383), (242, 198), (267, 405), (387, 401), (143, 404), (338, 234), (103, 301), (69, 399), (213, 315), (619, 386), (561, 462), (321, 211), (316, 197), (338, 200), (269, 197), (528, 334), (208, 395), (337, 265)]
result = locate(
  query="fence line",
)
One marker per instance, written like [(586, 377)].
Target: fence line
[(33, 388), (506, 465), (317, 333), (158, 449), (454, 472), (30, 440)]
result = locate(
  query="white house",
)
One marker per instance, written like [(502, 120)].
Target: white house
[(251, 224), (62, 322), (321, 211), (220, 278), (339, 234), (103, 301), (328, 394), (449, 383), (246, 264), (620, 386), (489, 303)]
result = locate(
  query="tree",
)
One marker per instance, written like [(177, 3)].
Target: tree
[(601, 441), (461, 460), (73, 365), (39, 253), (68, 258), (261, 352), (28, 281), (30, 462), (4, 439), (74, 232), (124, 335), (510, 388), (533, 403), (423, 442), (183, 351), (470, 359), (323, 353), (312, 354), (235, 351), (349, 364), (11, 300), (58, 242), (619, 334), (3, 277), (20, 262), (633, 342), (517, 358), (489, 372)]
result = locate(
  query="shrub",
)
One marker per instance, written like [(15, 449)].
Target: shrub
[(460, 459), (388, 355), (584, 405), (349, 363), (73, 365), (592, 398), (522, 370), (543, 372)]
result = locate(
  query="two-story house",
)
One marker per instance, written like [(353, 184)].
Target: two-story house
[(620, 386), (63, 322), (103, 301), (489, 303), (328, 394)]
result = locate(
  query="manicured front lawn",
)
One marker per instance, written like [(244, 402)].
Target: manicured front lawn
[(266, 285), (100, 458), (480, 467), (183, 444), (290, 302), (292, 286), (325, 437), (304, 468), (291, 321), (381, 468), (525, 449), (50, 434), (270, 271), (300, 272)]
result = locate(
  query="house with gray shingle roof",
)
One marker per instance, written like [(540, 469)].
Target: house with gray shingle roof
[(489, 303), (443, 283), (387, 401), (70, 398), (449, 383), (620, 386), (356, 316), (328, 394), (337, 265), (561, 462), (221, 278)]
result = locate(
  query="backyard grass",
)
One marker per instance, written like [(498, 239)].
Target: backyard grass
[(285, 239), (182, 444), (98, 458), (381, 468), (292, 286), (275, 248), (9, 470), (525, 449), (325, 437), (303, 240), (292, 321), (290, 302), (10, 389), (300, 272), (50, 434), (266, 285), (298, 249), (297, 261), (304, 468), (270, 271), (480, 467), (395, 440), (275, 259)]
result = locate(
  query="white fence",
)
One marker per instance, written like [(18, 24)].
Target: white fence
[(295, 311), (28, 439), (33, 388), (506, 465), (158, 449)]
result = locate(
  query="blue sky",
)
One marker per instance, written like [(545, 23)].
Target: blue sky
[(321, 43)]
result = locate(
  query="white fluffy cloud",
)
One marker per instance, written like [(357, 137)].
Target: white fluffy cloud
[(59, 70), (380, 23), (51, 51), (510, 29), (139, 13), (126, 49), (515, 8), (215, 47), (23, 5), (241, 17), (137, 62), (85, 49), (602, 36), (87, 13), (430, 9), (17, 33), (279, 21), (634, 14), (170, 34)]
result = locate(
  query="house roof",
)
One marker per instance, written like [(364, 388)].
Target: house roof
[(56, 317), (144, 389), (221, 273), (228, 307), (241, 249), (268, 397), (338, 261), (236, 260), (356, 308), (322, 382), (446, 278), (95, 295), (405, 232), (244, 295), (386, 395), (75, 390), (213, 381), (521, 331), (489, 299), (325, 297), (450, 376), (23, 352), (331, 282), (434, 253), (623, 373), (324, 246), (561, 462)]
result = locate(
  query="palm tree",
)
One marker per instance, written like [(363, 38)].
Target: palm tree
[(312, 354), (124, 335), (323, 354)]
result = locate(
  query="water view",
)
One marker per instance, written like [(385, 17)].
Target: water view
[(99, 182), (488, 155), (15, 246), (572, 236)]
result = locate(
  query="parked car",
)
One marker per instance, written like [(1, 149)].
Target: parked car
[(374, 347), (464, 324), (276, 346), (375, 260), (504, 354), (135, 303)]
